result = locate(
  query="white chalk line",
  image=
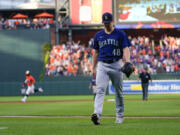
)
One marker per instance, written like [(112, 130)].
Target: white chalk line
[(1, 128), (126, 117)]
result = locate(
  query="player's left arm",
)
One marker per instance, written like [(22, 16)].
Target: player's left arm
[(32, 80), (126, 44), (126, 53)]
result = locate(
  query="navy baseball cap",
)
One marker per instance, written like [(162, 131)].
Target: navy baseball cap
[(107, 18)]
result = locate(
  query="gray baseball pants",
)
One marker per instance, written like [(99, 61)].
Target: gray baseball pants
[(104, 73)]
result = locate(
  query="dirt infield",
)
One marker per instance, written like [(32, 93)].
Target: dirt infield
[(43, 101), (83, 100)]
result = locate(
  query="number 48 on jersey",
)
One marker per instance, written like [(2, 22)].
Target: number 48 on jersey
[(116, 52)]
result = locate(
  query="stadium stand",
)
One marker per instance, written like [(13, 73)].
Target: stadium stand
[(36, 23), (161, 57)]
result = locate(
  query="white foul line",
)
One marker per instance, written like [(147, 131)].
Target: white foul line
[(3, 128), (128, 117)]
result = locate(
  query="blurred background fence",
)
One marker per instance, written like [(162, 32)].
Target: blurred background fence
[(66, 85)]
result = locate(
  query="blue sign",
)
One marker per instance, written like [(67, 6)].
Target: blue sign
[(157, 86)]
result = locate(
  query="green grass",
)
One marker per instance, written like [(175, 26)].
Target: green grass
[(75, 126), (157, 105)]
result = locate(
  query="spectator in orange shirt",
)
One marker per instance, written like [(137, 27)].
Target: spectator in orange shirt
[(70, 69), (143, 52), (176, 68), (30, 81), (75, 69)]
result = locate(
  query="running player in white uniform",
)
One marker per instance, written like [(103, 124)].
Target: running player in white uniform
[(30, 81)]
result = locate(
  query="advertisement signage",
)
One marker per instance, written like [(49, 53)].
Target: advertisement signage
[(27, 4), (147, 13), (161, 86), (89, 11)]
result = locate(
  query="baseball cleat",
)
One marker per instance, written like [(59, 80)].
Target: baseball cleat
[(23, 100), (119, 120), (40, 89), (95, 119)]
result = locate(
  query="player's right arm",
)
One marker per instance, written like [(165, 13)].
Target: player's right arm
[(95, 47), (94, 61)]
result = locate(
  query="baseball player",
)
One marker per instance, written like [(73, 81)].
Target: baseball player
[(92, 86), (110, 46), (30, 81)]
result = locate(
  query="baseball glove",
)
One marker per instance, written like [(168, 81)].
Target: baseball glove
[(127, 69)]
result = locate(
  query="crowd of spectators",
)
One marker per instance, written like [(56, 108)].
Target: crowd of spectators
[(162, 56), (36, 23), (69, 59)]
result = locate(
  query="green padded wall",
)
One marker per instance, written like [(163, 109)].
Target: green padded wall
[(20, 50)]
